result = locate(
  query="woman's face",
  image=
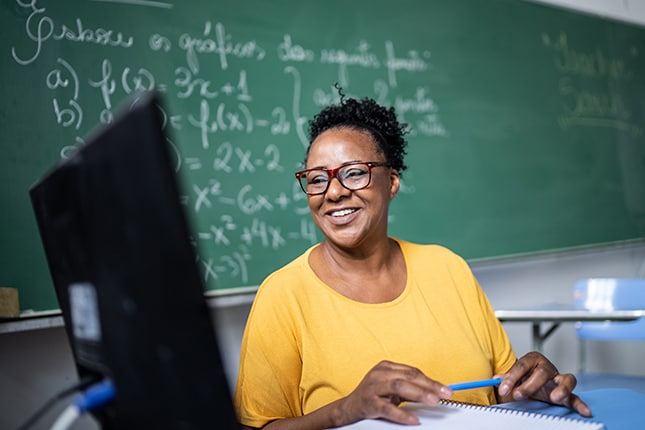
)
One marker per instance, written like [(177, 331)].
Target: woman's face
[(349, 219)]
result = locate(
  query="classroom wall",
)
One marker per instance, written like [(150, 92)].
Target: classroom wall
[(37, 364)]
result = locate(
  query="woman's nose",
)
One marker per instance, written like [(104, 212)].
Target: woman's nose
[(336, 189)]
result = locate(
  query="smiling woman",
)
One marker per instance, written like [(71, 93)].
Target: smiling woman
[(334, 336)]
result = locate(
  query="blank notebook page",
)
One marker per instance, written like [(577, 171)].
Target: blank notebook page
[(452, 415)]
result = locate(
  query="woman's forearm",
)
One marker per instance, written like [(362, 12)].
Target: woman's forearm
[(328, 416)]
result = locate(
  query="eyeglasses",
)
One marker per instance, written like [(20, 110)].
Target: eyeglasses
[(353, 176)]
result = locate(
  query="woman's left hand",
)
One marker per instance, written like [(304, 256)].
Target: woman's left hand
[(534, 377)]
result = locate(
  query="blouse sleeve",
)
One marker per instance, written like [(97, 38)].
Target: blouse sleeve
[(270, 365)]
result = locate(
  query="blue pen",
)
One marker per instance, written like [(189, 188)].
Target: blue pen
[(475, 384)]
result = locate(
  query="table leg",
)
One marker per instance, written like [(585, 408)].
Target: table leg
[(539, 337)]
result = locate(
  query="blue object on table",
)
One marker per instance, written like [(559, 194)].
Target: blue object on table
[(475, 384), (616, 408), (597, 381)]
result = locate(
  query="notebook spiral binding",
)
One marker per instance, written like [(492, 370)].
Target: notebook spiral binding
[(521, 412)]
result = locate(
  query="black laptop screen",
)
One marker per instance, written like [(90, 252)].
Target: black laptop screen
[(118, 247)]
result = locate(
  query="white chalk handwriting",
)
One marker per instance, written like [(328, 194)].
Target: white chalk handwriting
[(240, 141), (40, 28), (594, 98)]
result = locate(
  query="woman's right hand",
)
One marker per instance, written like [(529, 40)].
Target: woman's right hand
[(378, 395), (384, 387)]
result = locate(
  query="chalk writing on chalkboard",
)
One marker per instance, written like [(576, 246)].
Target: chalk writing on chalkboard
[(588, 106), (218, 107), (518, 144)]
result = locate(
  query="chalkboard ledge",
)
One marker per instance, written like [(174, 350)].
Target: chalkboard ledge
[(559, 253), (32, 320), (240, 296), (35, 320)]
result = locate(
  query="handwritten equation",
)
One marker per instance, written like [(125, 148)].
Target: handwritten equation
[(238, 140)]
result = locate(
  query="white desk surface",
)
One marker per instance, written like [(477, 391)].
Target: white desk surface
[(555, 314), (563, 314)]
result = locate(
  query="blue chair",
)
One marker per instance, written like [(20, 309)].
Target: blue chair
[(604, 294)]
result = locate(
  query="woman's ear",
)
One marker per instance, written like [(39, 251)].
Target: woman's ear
[(395, 183)]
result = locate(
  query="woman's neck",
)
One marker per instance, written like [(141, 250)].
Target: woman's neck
[(376, 274)]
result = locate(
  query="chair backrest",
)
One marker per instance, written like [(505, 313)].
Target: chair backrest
[(603, 294)]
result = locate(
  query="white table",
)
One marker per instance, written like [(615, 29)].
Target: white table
[(557, 314)]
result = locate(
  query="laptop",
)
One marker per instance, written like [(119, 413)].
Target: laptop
[(118, 246)]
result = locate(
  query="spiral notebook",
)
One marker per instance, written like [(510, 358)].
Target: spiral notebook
[(454, 415)]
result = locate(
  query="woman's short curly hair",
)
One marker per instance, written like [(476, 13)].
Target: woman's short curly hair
[(364, 115)]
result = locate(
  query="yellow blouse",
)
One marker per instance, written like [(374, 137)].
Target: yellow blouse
[(305, 345)]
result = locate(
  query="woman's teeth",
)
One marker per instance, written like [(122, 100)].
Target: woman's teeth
[(343, 212)]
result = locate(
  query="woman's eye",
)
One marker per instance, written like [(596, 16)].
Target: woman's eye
[(317, 179), (354, 173)]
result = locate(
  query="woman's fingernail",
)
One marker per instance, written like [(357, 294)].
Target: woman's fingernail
[(503, 389)]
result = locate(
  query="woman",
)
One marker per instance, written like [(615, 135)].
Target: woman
[(362, 322)]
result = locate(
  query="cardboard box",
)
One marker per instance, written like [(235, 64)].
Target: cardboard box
[(9, 305)]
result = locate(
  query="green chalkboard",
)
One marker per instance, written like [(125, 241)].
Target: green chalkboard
[(526, 120)]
